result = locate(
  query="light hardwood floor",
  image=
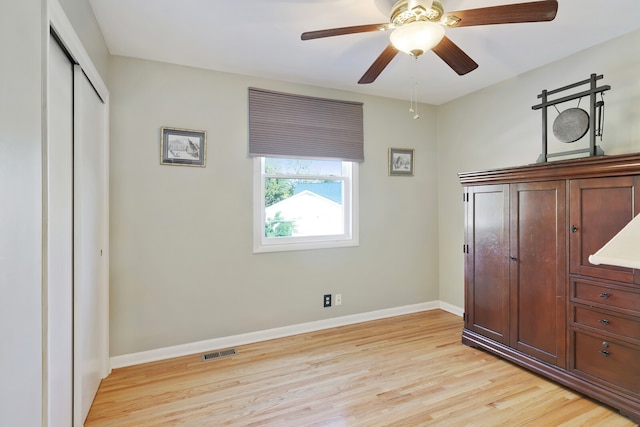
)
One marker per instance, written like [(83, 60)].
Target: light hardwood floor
[(404, 371)]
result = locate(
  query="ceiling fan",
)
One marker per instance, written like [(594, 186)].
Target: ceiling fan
[(419, 26)]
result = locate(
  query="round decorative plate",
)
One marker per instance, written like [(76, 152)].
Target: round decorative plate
[(571, 125)]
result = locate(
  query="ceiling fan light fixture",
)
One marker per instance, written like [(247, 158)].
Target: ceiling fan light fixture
[(416, 38)]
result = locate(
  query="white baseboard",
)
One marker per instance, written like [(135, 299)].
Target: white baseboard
[(451, 308), (285, 331)]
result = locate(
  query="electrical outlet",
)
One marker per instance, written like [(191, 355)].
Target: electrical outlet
[(327, 300), (338, 299)]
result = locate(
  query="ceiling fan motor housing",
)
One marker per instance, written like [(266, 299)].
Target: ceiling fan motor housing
[(406, 11)]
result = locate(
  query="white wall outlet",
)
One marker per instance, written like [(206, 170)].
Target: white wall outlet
[(338, 299)]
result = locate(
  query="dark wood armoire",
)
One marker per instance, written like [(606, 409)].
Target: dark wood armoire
[(531, 295)]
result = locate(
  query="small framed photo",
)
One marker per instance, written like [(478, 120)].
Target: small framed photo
[(400, 161), (184, 147)]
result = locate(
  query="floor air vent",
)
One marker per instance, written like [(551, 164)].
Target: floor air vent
[(219, 354)]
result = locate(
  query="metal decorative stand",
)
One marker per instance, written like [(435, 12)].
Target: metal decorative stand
[(593, 90)]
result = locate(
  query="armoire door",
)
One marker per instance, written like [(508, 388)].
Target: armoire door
[(538, 270), (600, 208), (487, 261)]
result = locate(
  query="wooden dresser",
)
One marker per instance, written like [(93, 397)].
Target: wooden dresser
[(531, 295)]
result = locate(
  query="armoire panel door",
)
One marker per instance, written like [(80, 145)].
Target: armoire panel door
[(538, 269), (487, 275), (599, 209)]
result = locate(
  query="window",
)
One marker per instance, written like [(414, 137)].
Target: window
[(306, 152), (304, 204)]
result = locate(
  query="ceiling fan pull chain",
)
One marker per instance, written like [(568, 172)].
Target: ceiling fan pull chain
[(411, 110), (416, 115), (413, 83)]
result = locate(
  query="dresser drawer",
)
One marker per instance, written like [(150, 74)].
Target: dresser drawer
[(611, 361), (606, 295), (608, 322)]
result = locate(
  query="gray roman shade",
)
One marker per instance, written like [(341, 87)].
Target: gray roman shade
[(287, 125)]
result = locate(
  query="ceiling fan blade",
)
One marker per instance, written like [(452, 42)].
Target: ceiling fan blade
[(309, 35), (379, 64), (535, 11), (455, 57)]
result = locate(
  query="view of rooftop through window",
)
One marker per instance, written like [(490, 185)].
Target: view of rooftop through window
[(303, 197)]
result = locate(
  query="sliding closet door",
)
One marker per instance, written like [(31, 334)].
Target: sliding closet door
[(89, 242), (59, 238)]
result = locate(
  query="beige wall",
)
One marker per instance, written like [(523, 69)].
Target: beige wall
[(21, 213), (496, 127), (182, 267)]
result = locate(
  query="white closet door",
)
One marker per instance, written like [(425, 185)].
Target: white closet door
[(89, 243), (60, 238)]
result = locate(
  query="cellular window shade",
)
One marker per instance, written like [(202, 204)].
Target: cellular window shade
[(287, 125)]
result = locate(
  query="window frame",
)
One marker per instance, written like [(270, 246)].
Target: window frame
[(349, 238)]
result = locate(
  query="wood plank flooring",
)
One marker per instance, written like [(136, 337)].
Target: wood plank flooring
[(404, 371)]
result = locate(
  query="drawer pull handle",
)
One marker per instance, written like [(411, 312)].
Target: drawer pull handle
[(574, 229), (604, 321), (605, 295), (604, 353)]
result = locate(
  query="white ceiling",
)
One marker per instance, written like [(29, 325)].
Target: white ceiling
[(262, 38)]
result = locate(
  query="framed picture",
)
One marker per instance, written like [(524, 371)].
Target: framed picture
[(184, 147), (401, 161)]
